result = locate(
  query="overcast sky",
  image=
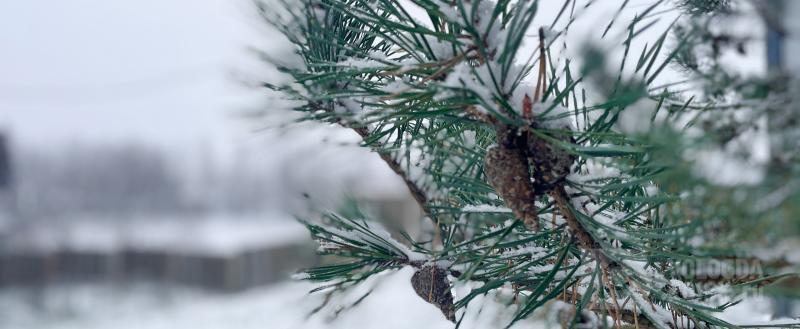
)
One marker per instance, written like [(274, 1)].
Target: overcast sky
[(150, 70)]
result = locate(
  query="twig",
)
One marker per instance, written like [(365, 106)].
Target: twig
[(587, 242)]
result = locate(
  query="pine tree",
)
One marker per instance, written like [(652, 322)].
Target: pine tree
[(538, 177)]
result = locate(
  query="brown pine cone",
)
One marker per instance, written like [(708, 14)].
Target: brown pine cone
[(506, 170), (430, 282)]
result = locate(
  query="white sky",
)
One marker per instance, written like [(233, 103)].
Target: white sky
[(150, 70)]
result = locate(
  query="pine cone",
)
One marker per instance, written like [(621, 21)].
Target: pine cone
[(506, 169), (550, 164), (430, 282)]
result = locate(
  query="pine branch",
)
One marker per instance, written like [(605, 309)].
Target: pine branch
[(451, 96)]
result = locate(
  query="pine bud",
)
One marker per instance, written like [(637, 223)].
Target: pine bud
[(506, 170), (431, 284)]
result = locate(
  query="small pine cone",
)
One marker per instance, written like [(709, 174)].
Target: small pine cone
[(506, 169), (431, 284)]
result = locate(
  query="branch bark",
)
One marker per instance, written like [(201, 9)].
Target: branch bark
[(587, 242)]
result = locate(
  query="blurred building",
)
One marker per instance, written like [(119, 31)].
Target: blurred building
[(218, 254), (121, 213)]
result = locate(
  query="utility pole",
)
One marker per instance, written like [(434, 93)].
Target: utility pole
[(7, 197)]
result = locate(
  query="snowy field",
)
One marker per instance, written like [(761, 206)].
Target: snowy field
[(284, 306), (393, 304)]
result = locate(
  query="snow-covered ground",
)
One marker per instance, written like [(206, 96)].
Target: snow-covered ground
[(392, 304)]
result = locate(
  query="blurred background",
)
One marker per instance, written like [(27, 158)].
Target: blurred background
[(144, 181), (136, 189)]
